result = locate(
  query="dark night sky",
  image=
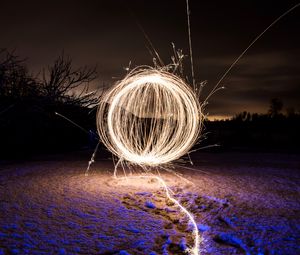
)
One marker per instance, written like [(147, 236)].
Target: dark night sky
[(105, 33)]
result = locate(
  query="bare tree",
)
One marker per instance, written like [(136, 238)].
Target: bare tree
[(290, 112), (63, 82), (276, 106), (15, 82)]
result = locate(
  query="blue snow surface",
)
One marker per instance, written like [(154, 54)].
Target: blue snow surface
[(150, 204), (63, 212), (49, 215), (73, 231)]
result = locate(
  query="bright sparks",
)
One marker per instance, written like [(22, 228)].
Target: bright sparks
[(149, 118)]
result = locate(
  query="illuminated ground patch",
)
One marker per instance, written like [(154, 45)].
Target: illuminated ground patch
[(51, 207)]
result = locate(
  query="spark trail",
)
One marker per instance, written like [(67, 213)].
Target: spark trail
[(195, 249)]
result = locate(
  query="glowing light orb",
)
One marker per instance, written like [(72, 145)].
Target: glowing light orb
[(151, 117)]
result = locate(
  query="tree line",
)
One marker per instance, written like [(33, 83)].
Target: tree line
[(28, 103), (272, 131), (29, 125)]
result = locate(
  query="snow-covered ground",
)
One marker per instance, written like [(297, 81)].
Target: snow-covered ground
[(243, 204)]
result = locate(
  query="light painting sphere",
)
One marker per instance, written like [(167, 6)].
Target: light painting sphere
[(151, 117)]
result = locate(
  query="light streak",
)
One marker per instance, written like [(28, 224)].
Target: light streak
[(75, 124), (6, 109), (188, 12), (92, 160), (195, 250), (216, 87)]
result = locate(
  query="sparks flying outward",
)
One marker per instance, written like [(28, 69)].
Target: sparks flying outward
[(149, 118)]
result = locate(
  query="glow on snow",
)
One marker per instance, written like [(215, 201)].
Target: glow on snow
[(150, 118), (197, 239)]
